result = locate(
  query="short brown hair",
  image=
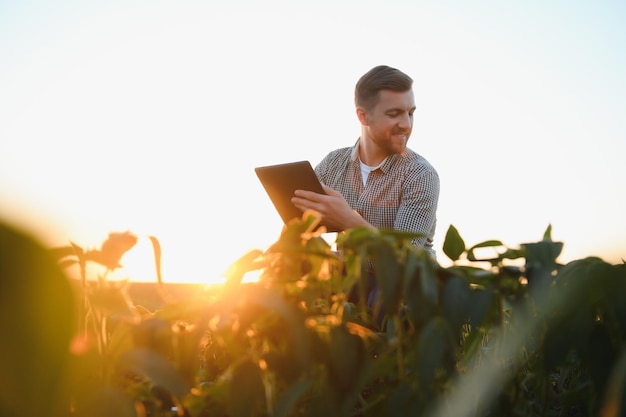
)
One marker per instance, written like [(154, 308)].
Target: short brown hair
[(379, 78)]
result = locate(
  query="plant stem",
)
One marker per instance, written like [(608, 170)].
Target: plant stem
[(400, 336)]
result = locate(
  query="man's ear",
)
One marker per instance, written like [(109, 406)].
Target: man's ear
[(361, 113)]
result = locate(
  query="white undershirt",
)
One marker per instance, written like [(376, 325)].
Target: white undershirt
[(365, 171)]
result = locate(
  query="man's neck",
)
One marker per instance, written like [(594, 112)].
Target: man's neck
[(369, 153)]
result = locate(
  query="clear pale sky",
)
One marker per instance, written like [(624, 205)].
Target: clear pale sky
[(150, 116)]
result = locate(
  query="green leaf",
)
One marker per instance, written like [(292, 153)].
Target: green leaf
[(453, 245), (155, 367), (547, 235), (356, 238), (405, 400), (543, 254), (246, 392), (348, 360), (412, 266), (417, 280), (37, 316), (388, 277), (61, 252), (112, 250), (104, 401), (480, 303), (432, 349), (429, 286), (246, 263), (487, 244), (455, 302), (471, 256), (156, 249), (290, 397), (604, 355), (295, 329)]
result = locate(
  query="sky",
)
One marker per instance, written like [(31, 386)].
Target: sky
[(150, 116)]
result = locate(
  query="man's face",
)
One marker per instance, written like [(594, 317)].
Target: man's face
[(390, 122)]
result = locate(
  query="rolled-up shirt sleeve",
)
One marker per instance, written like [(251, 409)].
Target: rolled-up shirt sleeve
[(418, 208)]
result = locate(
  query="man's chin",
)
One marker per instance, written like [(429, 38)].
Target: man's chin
[(398, 143), (398, 149)]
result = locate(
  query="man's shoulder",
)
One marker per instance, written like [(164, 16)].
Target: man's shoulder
[(339, 153), (338, 156)]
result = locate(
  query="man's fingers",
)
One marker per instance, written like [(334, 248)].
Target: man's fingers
[(330, 191), (309, 195), (302, 202)]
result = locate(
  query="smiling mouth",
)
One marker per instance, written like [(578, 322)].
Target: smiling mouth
[(403, 136)]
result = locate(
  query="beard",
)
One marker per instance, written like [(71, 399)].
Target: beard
[(394, 143)]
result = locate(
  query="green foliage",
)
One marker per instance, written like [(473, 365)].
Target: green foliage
[(37, 322), (510, 333)]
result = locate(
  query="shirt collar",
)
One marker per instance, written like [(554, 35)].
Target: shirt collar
[(354, 156), (384, 166)]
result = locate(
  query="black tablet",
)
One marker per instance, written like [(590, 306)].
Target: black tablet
[(282, 180)]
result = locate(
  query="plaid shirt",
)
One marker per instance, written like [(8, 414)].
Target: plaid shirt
[(401, 194)]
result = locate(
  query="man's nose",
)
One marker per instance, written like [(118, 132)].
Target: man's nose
[(406, 122)]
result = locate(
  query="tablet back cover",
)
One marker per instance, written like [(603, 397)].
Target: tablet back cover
[(282, 180)]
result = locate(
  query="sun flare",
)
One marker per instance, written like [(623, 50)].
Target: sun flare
[(138, 265)]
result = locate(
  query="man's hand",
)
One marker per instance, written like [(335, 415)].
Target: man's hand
[(335, 211)]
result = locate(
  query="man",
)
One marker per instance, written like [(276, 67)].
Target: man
[(379, 182)]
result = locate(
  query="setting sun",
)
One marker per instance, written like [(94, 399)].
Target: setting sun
[(138, 265)]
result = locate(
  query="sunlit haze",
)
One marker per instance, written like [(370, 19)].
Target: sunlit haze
[(150, 116)]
